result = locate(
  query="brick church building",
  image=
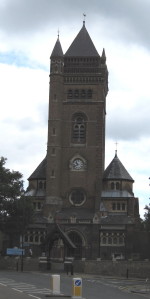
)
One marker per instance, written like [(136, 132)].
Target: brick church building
[(82, 210)]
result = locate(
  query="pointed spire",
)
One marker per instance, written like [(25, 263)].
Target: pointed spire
[(82, 45), (116, 170), (57, 51), (103, 55)]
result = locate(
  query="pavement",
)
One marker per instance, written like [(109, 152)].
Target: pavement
[(131, 285)]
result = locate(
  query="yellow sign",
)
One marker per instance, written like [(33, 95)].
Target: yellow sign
[(77, 288)]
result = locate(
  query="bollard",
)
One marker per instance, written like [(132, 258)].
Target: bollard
[(55, 284), (77, 288)]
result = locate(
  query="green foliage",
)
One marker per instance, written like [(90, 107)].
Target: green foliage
[(147, 217), (15, 210)]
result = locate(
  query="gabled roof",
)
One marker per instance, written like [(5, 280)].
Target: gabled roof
[(40, 171), (116, 171), (82, 45), (57, 51)]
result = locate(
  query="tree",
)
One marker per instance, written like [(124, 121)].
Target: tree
[(15, 210), (147, 217), (11, 188)]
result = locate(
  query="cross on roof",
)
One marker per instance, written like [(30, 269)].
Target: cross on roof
[(58, 33)]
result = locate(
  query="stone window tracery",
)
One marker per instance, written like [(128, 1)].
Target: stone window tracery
[(112, 239), (119, 206), (79, 93), (79, 128), (77, 197), (115, 186)]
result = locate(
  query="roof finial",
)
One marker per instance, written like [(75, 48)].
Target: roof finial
[(84, 15), (116, 143), (58, 33)]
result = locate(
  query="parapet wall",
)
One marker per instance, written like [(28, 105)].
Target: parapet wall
[(127, 269)]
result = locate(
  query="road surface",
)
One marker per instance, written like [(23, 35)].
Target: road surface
[(27, 285)]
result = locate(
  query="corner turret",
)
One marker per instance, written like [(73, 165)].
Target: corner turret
[(116, 177), (57, 58)]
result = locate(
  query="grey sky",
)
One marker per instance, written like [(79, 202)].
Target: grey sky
[(130, 18)]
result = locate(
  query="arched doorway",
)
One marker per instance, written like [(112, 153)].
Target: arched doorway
[(57, 243), (77, 241)]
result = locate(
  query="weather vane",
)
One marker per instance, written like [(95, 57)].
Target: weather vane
[(116, 143), (58, 33), (84, 15)]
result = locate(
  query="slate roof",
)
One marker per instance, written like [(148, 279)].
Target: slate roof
[(57, 51), (82, 45), (116, 219), (40, 171), (116, 171), (116, 193), (34, 192)]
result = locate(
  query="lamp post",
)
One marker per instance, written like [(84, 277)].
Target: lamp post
[(22, 234), (22, 252)]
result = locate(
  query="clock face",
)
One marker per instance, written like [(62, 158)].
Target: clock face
[(78, 164)]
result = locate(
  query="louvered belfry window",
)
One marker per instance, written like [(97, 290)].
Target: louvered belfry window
[(79, 129)]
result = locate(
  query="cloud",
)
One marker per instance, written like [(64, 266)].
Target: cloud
[(126, 19), (128, 124)]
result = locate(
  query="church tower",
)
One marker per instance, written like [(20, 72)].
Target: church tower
[(82, 210), (76, 128)]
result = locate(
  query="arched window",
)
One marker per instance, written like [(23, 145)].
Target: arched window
[(112, 186), (114, 206), (76, 93), (117, 186), (40, 185), (109, 240), (36, 238), (31, 238), (77, 241), (118, 206), (123, 206), (104, 240), (79, 129), (121, 240), (41, 239), (115, 240), (70, 94)]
